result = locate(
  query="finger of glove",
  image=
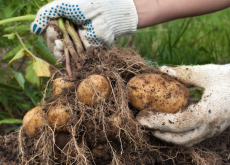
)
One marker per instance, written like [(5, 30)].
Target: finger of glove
[(88, 40), (55, 9), (186, 139), (184, 120), (200, 75), (83, 37), (44, 15)]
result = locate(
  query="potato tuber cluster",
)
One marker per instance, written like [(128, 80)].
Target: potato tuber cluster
[(91, 91), (145, 91)]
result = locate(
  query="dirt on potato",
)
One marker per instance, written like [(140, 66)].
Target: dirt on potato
[(90, 139)]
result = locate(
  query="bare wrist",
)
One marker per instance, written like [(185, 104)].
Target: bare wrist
[(152, 12)]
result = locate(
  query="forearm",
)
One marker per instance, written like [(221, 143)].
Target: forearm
[(152, 12)]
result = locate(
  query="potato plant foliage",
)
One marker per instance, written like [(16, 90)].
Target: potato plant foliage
[(22, 84)]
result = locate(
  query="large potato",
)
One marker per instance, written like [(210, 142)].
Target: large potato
[(59, 84), (33, 121), (155, 91), (93, 89), (58, 117)]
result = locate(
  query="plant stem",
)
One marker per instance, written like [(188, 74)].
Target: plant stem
[(61, 24), (37, 4), (77, 41), (23, 61), (68, 42), (21, 18), (23, 45), (40, 82), (66, 52)]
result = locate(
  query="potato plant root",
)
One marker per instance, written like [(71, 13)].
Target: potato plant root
[(90, 139)]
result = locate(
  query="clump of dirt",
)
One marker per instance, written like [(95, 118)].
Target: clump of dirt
[(91, 138)]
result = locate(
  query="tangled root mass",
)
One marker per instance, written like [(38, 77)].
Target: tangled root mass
[(92, 137)]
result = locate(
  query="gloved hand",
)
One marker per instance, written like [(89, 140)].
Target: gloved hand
[(200, 121), (101, 20)]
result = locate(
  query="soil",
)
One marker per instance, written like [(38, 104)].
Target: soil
[(214, 151), (91, 137)]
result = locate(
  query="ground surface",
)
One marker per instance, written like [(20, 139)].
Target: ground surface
[(212, 151)]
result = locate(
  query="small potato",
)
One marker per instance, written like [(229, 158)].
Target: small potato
[(93, 89), (159, 92), (59, 84), (33, 121), (58, 117), (115, 122)]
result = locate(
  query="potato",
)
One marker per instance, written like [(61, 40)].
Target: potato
[(93, 89), (59, 84), (115, 122), (58, 116), (159, 92), (33, 121)]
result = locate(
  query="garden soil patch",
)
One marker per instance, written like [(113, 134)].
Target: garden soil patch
[(92, 137)]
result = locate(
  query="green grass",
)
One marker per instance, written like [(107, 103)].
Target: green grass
[(198, 40)]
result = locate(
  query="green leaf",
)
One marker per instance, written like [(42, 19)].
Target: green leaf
[(30, 74), (11, 87), (2, 15), (11, 121), (30, 93), (10, 36), (24, 106), (202, 49), (22, 29), (19, 77), (14, 51), (4, 95), (40, 67), (12, 8), (42, 49), (19, 55)]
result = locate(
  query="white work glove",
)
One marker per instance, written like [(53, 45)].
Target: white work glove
[(101, 20), (200, 121)]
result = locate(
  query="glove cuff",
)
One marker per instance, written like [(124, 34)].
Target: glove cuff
[(122, 17), (119, 17)]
